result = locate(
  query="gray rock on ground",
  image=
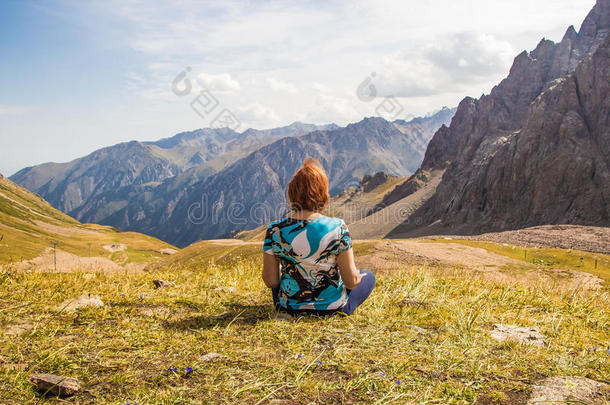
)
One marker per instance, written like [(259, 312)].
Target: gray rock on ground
[(85, 300), (206, 358), (520, 334), (163, 284), (55, 385), (569, 390), (418, 329)]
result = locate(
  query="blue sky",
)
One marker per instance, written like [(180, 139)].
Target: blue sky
[(79, 75)]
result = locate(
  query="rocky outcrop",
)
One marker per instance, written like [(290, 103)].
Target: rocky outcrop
[(371, 181), (536, 150)]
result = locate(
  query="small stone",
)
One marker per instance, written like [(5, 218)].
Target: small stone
[(167, 251), (230, 290), (18, 328), (163, 284), (568, 390), (283, 316), (206, 358), (413, 303), (223, 315), (85, 300), (417, 329), (50, 384), (522, 335)]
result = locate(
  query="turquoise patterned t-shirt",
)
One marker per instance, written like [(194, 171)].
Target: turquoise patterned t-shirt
[(307, 250)]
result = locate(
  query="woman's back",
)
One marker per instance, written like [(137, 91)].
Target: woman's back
[(307, 250)]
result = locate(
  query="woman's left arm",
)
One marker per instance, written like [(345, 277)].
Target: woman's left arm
[(271, 270)]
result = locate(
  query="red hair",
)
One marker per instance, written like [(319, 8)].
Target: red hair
[(308, 189)]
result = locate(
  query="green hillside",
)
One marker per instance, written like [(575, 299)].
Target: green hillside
[(29, 226)]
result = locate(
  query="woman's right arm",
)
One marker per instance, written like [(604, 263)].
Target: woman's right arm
[(347, 268)]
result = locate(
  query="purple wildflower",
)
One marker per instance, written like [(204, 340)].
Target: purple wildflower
[(319, 362), (381, 374), (397, 382), (299, 356), (434, 374), (189, 369), (122, 295), (172, 368)]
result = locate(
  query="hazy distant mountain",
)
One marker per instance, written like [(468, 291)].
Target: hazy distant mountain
[(535, 151), (95, 186), (221, 203)]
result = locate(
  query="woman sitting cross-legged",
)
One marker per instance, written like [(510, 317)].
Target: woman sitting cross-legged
[(308, 260)]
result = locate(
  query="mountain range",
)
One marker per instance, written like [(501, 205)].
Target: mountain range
[(153, 187), (76, 187), (535, 151)]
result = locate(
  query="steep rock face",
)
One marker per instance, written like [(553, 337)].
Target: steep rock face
[(535, 151)]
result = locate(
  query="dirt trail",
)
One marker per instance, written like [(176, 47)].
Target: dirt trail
[(388, 255), (69, 263)]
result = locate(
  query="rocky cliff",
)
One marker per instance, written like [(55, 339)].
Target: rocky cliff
[(536, 150)]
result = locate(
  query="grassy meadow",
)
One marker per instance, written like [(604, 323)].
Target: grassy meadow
[(422, 337)]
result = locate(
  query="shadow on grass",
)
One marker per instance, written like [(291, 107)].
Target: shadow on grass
[(240, 314)]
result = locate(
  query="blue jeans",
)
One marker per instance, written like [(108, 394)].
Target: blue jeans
[(355, 297)]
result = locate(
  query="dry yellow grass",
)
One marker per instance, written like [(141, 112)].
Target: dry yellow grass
[(122, 352)]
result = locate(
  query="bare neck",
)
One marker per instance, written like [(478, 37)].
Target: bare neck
[(304, 214)]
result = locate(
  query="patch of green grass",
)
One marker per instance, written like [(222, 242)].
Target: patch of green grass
[(122, 351), (29, 225), (594, 263), (363, 248)]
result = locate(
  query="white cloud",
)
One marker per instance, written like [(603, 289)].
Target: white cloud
[(279, 85), (253, 53), (418, 50), (257, 116), (220, 82), (329, 108), (447, 64)]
